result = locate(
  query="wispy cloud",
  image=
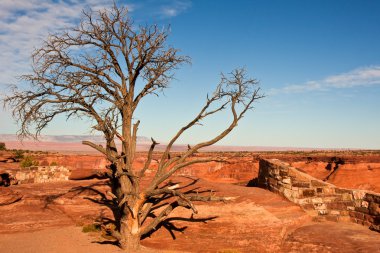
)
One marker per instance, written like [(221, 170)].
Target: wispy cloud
[(365, 76), (25, 23), (174, 8)]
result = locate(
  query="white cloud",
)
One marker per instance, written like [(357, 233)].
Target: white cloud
[(25, 23), (365, 76), (358, 77), (174, 8)]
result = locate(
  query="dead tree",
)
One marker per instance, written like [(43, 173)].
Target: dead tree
[(101, 70)]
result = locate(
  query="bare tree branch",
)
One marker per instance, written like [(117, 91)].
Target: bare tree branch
[(149, 160)]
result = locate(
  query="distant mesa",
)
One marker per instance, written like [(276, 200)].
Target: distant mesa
[(63, 143), (66, 138), (73, 144)]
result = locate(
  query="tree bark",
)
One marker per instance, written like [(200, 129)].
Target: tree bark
[(130, 242)]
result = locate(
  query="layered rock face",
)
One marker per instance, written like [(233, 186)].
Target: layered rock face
[(320, 198), (43, 174)]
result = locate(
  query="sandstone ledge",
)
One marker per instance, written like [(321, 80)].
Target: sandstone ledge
[(318, 198)]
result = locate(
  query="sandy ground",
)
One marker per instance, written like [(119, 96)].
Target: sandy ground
[(314, 237), (49, 219), (58, 240)]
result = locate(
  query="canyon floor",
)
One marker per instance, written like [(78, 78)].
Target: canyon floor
[(49, 217)]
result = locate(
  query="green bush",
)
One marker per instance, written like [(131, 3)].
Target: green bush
[(19, 154), (2, 146), (28, 161), (91, 228)]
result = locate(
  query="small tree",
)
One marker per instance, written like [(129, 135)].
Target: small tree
[(102, 70), (2, 146)]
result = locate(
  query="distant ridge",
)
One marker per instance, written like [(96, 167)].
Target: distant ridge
[(73, 144), (65, 138)]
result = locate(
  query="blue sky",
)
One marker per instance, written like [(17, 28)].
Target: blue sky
[(318, 63)]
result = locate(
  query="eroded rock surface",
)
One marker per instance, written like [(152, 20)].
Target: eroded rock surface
[(256, 220), (9, 197)]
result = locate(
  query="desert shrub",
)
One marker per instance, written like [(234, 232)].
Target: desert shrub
[(19, 154), (28, 161), (53, 163), (91, 228), (2, 146)]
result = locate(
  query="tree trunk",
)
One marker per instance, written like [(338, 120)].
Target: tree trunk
[(130, 238)]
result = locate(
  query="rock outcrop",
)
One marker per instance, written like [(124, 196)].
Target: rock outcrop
[(319, 198), (43, 174)]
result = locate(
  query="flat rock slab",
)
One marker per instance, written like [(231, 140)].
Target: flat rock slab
[(8, 196), (332, 237), (256, 220)]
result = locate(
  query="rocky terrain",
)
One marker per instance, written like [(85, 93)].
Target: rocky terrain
[(46, 217)]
